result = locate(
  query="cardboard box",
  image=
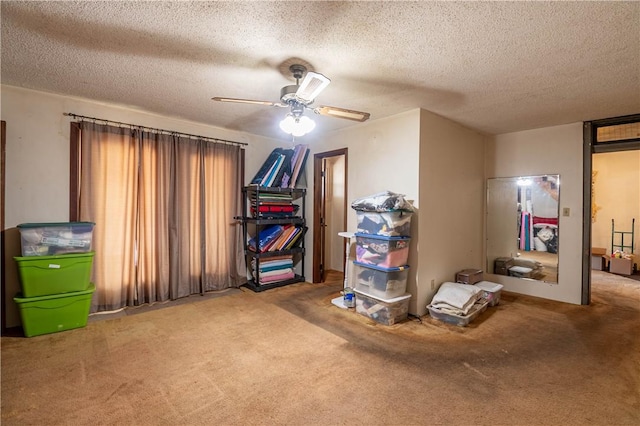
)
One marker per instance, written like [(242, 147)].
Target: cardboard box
[(469, 276), (621, 266), (598, 251), (598, 262)]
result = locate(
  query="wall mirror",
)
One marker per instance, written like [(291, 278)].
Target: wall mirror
[(523, 227)]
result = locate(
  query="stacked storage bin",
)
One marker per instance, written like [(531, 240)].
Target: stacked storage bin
[(55, 273), (382, 251)]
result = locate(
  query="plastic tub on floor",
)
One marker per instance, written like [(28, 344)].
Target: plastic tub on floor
[(385, 252), (459, 320), (47, 275), (491, 291), (385, 283), (47, 239), (58, 312), (386, 312), (393, 223)]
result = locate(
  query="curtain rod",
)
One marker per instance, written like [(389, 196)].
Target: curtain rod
[(171, 132)]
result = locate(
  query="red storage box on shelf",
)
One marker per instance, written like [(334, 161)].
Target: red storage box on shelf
[(385, 252)]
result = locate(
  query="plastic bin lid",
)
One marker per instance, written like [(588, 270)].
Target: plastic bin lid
[(401, 211), (381, 237), (395, 299), (52, 257), (19, 299), (488, 285), (54, 224), (380, 268)]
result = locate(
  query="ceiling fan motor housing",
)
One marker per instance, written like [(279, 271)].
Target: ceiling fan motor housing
[(288, 93)]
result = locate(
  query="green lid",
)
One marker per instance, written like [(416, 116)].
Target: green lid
[(55, 224)]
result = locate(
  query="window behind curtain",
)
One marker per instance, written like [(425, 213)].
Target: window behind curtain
[(163, 207)]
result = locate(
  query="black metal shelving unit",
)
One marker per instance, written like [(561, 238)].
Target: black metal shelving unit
[(251, 226)]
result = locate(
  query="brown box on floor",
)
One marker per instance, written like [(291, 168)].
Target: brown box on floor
[(598, 258), (621, 266), (598, 262), (469, 276), (502, 265)]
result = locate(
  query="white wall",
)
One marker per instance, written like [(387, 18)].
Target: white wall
[(450, 217), (382, 155), (437, 164), (551, 150), (37, 159)]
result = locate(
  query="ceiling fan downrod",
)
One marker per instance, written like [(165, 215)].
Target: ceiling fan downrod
[(298, 72)]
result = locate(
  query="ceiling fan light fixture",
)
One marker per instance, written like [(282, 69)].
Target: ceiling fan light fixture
[(311, 86), (297, 126)]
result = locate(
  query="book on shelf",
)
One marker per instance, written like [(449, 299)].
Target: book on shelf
[(282, 168)]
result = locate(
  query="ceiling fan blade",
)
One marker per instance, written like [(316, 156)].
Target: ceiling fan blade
[(311, 86), (250, 101), (342, 113)]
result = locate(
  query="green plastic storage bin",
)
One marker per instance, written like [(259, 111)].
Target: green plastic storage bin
[(48, 275), (53, 313)]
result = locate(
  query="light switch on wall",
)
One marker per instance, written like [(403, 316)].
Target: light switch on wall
[(566, 211)]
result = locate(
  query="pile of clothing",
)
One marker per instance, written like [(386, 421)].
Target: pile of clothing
[(382, 202)]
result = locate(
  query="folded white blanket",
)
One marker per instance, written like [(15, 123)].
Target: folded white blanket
[(456, 297)]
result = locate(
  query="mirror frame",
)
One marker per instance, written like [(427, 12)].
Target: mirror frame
[(500, 193)]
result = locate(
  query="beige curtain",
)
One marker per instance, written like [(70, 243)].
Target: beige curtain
[(163, 207)]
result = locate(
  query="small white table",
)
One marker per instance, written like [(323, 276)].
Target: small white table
[(339, 301)]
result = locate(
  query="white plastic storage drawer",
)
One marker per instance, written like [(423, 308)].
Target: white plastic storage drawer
[(49, 239), (491, 291), (387, 312), (385, 252), (385, 283), (393, 223)]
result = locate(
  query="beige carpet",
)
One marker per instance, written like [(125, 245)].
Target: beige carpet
[(288, 356)]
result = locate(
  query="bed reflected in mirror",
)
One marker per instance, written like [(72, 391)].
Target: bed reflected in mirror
[(523, 227)]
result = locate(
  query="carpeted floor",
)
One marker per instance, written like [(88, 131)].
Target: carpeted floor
[(288, 356)]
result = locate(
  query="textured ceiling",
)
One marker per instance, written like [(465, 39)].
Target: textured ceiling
[(492, 66)]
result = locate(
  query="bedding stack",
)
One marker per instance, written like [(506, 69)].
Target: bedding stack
[(382, 252), (277, 268), (461, 302), (457, 303)]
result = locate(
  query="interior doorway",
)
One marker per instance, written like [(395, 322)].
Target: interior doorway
[(330, 212), (611, 158)]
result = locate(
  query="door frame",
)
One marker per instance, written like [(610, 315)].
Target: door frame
[(3, 296), (590, 147), (318, 229)]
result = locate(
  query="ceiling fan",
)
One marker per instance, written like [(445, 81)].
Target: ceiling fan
[(300, 96)]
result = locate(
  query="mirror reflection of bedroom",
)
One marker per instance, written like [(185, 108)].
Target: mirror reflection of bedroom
[(522, 227)]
